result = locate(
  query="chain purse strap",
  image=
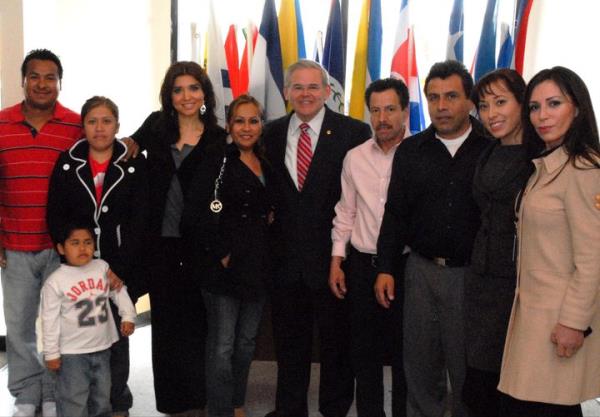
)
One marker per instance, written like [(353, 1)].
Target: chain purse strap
[(216, 205)]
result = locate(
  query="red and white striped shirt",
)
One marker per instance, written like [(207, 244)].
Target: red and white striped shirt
[(27, 157)]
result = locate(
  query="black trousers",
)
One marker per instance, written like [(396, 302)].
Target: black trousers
[(178, 330), (376, 337), (512, 407), (120, 395), (295, 310)]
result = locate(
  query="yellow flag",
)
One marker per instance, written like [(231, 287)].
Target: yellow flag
[(359, 77)]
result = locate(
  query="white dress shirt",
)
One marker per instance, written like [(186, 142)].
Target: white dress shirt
[(359, 213), (293, 135)]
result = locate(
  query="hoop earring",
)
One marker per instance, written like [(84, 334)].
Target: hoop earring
[(202, 109)]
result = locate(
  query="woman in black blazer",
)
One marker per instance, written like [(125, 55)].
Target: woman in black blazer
[(91, 182), (175, 139), (226, 216), (501, 173)]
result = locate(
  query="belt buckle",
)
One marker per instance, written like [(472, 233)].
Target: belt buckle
[(439, 261)]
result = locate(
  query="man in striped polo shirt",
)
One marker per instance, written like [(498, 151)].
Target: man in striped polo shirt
[(32, 135)]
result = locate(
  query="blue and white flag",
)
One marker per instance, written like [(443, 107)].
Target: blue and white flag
[(505, 56), (333, 58), (485, 59), (456, 30), (266, 72)]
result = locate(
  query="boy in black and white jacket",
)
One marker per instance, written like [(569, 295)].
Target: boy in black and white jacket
[(78, 326)]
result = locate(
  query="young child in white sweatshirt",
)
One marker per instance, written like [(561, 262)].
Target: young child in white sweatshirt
[(78, 326)]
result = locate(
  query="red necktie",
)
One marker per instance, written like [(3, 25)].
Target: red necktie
[(305, 153)]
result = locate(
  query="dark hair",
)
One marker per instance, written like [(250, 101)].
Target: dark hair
[(581, 139), (193, 69), (247, 99), (243, 99), (42, 55), (97, 101), (511, 79), (71, 226), (384, 84), (448, 68)]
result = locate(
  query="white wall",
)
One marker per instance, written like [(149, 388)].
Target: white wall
[(567, 34), (115, 48), (11, 50)]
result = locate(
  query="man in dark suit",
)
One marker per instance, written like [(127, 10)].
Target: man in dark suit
[(306, 149)]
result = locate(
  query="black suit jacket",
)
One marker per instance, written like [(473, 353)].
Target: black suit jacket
[(239, 230), (119, 221), (301, 232)]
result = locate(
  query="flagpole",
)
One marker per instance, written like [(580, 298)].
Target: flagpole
[(195, 42), (174, 29), (344, 8)]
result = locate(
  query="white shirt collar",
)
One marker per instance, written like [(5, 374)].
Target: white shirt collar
[(459, 139), (315, 123)]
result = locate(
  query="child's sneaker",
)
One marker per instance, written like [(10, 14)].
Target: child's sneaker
[(48, 409), (24, 410)]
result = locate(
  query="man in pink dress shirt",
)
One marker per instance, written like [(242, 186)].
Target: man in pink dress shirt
[(365, 179)]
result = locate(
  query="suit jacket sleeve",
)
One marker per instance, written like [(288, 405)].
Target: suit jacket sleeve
[(130, 266), (57, 206), (363, 133), (144, 134), (393, 234)]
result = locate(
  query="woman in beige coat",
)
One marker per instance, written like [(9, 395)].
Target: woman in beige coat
[(551, 359)]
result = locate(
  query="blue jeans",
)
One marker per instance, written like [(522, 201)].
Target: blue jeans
[(231, 339), (28, 380), (83, 385)]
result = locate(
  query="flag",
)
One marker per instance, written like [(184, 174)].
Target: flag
[(233, 66), (251, 34), (318, 48), (300, 30), (216, 66), (456, 30), (404, 67), (505, 56), (333, 58), (367, 59), (485, 58), (292, 41), (266, 71), (521, 22)]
